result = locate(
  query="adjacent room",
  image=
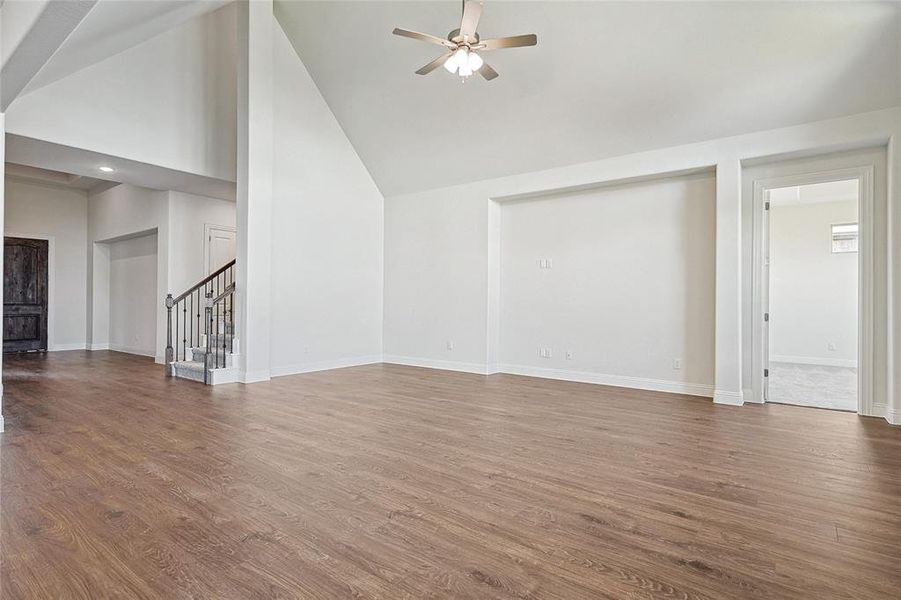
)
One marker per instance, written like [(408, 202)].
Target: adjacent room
[(456, 299)]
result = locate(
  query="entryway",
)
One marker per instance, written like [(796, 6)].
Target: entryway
[(813, 272), (812, 257)]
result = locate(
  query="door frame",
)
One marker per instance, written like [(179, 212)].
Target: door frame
[(865, 272), (208, 229)]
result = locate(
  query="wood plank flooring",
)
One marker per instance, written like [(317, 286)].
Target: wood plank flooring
[(394, 482)]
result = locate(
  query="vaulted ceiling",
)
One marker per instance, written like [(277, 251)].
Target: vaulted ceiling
[(606, 78), (112, 26)]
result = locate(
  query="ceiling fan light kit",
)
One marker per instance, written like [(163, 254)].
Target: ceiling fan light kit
[(464, 44)]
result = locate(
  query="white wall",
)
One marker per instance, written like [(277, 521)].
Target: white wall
[(326, 232), (118, 213), (169, 101), (630, 289), (132, 295), (126, 211), (188, 213), (813, 292), (442, 275), (59, 215)]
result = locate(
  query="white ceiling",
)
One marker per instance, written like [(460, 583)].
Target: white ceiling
[(56, 178), (116, 25), (606, 78), (39, 154), (815, 193)]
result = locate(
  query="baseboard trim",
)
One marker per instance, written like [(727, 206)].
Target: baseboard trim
[(2, 427), (747, 396), (326, 365), (66, 347), (131, 350), (429, 363), (254, 376), (640, 383), (815, 360), (728, 398), (93, 347)]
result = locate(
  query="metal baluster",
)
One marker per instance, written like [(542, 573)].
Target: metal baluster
[(209, 321), (176, 333), (217, 333), (169, 335), (184, 329), (198, 318), (191, 323)]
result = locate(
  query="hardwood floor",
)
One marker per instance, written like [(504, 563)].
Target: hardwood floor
[(395, 482)]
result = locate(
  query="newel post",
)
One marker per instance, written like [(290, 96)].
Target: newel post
[(209, 334), (169, 357)]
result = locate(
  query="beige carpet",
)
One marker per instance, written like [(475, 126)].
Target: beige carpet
[(813, 385)]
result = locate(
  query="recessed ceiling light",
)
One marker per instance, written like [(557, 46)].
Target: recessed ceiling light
[(107, 169)]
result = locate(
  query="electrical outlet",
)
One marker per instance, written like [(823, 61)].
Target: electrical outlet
[(450, 344), (544, 352), (569, 355), (831, 346), (677, 364)]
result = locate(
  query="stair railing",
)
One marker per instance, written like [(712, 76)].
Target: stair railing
[(187, 320), (224, 327)]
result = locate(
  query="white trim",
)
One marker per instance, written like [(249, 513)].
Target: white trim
[(866, 269), (429, 363), (224, 375), (893, 416), (66, 347), (326, 365), (131, 350), (815, 360), (728, 398), (93, 347), (2, 427), (639, 383), (747, 395), (253, 376)]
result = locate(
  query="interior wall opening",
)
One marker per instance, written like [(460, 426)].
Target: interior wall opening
[(812, 312)]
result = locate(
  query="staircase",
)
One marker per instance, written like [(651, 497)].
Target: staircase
[(200, 342)]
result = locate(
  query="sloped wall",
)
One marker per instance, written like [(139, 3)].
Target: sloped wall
[(326, 232), (170, 101)]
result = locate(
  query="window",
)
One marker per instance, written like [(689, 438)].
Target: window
[(844, 238)]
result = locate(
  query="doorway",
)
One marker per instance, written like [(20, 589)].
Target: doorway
[(813, 290), (811, 324), (25, 294), (219, 246)]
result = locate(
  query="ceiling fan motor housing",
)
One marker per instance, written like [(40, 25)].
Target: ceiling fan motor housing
[(455, 37)]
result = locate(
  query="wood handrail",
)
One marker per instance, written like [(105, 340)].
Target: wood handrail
[(204, 281)]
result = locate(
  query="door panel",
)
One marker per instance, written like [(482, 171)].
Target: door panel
[(24, 294), (220, 247)]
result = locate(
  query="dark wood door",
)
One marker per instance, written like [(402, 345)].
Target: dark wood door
[(24, 294)]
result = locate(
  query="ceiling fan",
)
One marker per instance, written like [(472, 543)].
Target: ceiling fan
[(464, 44)]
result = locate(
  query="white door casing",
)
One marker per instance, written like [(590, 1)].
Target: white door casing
[(218, 246)]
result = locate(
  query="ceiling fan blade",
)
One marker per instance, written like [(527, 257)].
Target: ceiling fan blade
[(487, 72), (434, 64), (425, 37), (472, 12), (514, 41)]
